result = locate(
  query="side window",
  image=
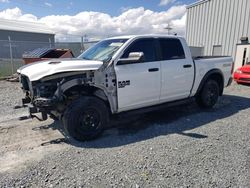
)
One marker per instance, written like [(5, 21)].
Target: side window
[(171, 49), (146, 46)]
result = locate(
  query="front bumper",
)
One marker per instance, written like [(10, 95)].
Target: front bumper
[(34, 111), (40, 99), (45, 103)]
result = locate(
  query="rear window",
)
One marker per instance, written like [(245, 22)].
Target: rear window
[(171, 49)]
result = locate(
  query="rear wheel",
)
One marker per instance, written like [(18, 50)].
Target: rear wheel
[(209, 94), (86, 118)]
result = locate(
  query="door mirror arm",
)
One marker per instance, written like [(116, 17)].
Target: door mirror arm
[(134, 57)]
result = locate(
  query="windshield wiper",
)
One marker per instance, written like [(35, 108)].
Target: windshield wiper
[(86, 58)]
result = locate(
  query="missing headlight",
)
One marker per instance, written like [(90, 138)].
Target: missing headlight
[(46, 89)]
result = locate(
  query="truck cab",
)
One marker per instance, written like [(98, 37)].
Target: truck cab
[(165, 73)]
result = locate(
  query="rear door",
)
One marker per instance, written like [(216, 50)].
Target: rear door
[(138, 84), (177, 71)]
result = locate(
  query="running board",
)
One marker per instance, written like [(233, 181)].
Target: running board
[(158, 107)]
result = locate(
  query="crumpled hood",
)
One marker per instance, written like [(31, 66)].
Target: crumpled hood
[(38, 70)]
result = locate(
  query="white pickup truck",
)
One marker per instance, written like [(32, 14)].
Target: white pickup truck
[(119, 75)]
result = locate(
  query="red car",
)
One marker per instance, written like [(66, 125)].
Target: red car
[(242, 75)]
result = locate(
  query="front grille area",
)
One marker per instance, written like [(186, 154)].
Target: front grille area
[(25, 82)]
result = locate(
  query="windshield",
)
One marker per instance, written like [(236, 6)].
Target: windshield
[(104, 50)]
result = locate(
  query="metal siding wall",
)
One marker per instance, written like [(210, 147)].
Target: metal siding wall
[(237, 35), (248, 20), (202, 23), (218, 22), (25, 36), (242, 16), (194, 30), (187, 25), (218, 29), (233, 37), (225, 27), (212, 26), (229, 30), (192, 27), (206, 42), (188, 32), (216, 18), (198, 25), (245, 8), (205, 28), (222, 19)]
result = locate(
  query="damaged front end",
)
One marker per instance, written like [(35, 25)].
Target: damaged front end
[(39, 97), (44, 84), (48, 97)]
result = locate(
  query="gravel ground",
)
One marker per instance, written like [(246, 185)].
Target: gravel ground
[(178, 147)]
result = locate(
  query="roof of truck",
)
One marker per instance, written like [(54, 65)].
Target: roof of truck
[(145, 35)]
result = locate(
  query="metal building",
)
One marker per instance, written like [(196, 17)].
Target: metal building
[(217, 26), (23, 36), (24, 31)]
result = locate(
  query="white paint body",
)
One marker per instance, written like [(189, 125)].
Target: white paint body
[(170, 83)]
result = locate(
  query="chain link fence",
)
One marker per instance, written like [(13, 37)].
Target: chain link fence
[(11, 52)]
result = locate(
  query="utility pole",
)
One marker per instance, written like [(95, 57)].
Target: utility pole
[(168, 28), (82, 46), (85, 38), (11, 56), (50, 46)]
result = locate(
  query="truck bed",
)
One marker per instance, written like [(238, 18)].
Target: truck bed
[(204, 64), (207, 57)]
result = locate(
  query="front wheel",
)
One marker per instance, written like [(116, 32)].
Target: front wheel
[(209, 94), (86, 118)]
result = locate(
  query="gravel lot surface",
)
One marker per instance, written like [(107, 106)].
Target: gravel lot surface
[(178, 147)]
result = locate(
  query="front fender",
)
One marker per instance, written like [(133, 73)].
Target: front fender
[(100, 91)]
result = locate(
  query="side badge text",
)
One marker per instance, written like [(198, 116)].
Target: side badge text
[(122, 84)]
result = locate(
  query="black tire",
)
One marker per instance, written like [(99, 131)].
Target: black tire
[(86, 118), (209, 94)]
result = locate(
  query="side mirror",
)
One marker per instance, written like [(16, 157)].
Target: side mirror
[(133, 57)]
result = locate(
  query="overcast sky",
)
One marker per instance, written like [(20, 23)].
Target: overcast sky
[(99, 18)]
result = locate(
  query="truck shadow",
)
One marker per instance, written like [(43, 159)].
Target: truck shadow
[(175, 120)]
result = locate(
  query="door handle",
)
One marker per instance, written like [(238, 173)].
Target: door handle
[(187, 66), (153, 69)]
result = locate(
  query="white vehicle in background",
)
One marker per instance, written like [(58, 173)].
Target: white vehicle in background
[(122, 74)]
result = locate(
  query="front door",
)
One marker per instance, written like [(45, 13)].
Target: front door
[(138, 84)]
